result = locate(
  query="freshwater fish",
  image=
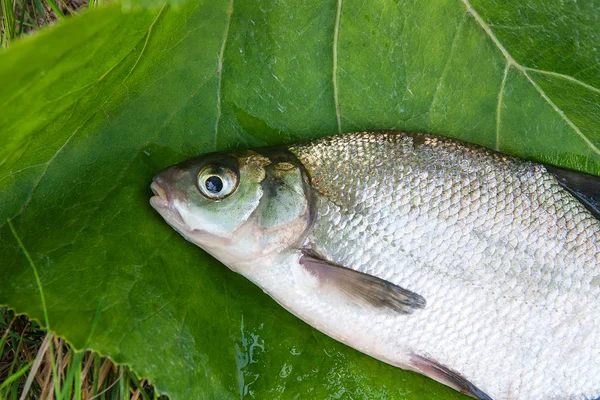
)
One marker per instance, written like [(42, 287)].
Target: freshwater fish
[(477, 269)]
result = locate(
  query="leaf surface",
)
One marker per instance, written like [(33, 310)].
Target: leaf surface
[(94, 107)]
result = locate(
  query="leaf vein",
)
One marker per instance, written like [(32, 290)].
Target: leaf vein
[(499, 105), (148, 33), (562, 114), (523, 71), (124, 170), (220, 70), (563, 76), (336, 34), (47, 164), (38, 281), (445, 69)]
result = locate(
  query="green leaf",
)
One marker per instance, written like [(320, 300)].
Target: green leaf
[(94, 107)]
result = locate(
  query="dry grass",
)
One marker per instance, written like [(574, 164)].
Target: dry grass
[(36, 365)]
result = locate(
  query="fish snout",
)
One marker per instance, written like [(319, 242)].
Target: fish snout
[(160, 198), (163, 187)]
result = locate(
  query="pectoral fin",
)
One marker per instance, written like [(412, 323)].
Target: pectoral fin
[(361, 287), (585, 187), (447, 376)]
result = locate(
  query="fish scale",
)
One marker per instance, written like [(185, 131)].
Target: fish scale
[(475, 268), (479, 219)]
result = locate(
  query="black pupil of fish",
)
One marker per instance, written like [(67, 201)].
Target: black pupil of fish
[(214, 184)]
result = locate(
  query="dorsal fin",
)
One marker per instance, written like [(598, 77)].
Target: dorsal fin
[(585, 187)]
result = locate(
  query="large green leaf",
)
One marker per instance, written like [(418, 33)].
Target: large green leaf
[(94, 107)]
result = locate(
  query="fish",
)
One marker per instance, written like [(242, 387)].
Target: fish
[(475, 268)]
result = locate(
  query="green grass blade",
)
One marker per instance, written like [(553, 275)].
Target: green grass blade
[(123, 384), (14, 377), (54, 7), (22, 18), (77, 383), (73, 376), (55, 376), (96, 375), (16, 352), (8, 21), (137, 384), (4, 338), (38, 9), (14, 391)]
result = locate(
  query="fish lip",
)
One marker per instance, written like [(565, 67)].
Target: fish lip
[(160, 198), (161, 203), (157, 189)]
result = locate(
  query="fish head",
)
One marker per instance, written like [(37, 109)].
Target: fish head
[(240, 207)]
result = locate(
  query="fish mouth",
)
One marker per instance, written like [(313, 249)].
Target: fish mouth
[(160, 198), (162, 203)]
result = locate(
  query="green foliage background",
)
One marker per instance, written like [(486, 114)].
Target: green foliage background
[(93, 107)]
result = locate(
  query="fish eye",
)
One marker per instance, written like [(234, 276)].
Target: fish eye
[(215, 182)]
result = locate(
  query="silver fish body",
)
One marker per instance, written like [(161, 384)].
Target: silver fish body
[(477, 269)]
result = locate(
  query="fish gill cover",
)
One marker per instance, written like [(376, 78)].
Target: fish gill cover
[(93, 107)]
